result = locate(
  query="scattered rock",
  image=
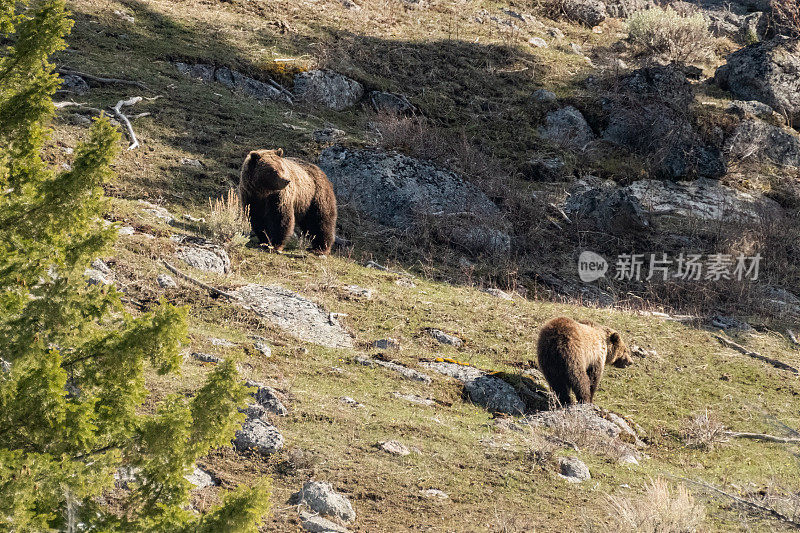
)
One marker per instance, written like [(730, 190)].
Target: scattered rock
[(199, 71), (397, 104), (188, 162), (259, 436), (316, 524), (124, 16), (757, 141), (327, 88), (405, 282), (742, 108), (703, 199), (357, 292), (263, 348), (612, 210), (351, 402), (589, 417), (538, 42), (266, 400), (221, 342), (497, 293), (126, 230), (434, 493), (483, 389), (320, 497), (207, 357), (544, 96), (208, 257), (386, 344), (767, 71), (200, 478), (445, 338), (294, 314), (327, 135), (393, 447), (413, 398), (96, 277), (157, 211), (165, 281), (71, 83), (233, 80), (568, 127), (628, 459), (590, 13), (404, 371), (554, 32), (573, 469)]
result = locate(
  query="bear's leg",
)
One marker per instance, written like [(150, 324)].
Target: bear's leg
[(595, 372), (284, 229), (258, 220), (322, 227), (581, 386), (561, 392)]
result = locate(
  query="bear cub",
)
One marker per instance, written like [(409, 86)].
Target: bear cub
[(572, 355), (284, 192)]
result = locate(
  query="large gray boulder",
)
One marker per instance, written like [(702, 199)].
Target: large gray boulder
[(768, 72), (587, 12), (319, 496), (623, 9), (400, 191), (612, 210), (757, 141), (205, 256), (566, 126), (327, 88), (258, 435), (483, 389)]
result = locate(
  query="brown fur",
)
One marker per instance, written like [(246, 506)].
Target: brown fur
[(572, 356), (282, 192)]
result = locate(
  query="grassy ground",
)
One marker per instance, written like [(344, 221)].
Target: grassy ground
[(498, 479)]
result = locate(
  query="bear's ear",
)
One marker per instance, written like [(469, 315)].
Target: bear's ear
[(279, 152), (252, 159), (613, 338)]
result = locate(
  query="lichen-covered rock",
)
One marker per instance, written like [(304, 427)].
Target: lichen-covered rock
[(613, 210), (266, 401), (757, 141), (208, 257), (259, 436), (166, 281), (768, 71), (200, 478), (394, 103), (319, 496), (327, 88), (573, 469), (588, 12), (445, 338), (483, 389), (742, 108), (394, 447), (404, 371), (316, 524), (567, 126), (71, 83)]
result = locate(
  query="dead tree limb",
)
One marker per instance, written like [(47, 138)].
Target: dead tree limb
[(284, 91), (741, 349), (199, 283), (121, 116), (102, 80), (762, 436), (741, 501)]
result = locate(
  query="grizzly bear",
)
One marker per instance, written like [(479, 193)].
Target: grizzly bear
[(284, 192), (572, 355)]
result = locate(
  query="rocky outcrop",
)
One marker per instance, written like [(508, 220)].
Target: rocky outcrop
[(768, 72), (233, 80), (587, 12), (614, 211), (327, 88), (205, 256), (320, 497), (481, 388), (566, 126), (394, 103), (756, 141), (259, 436)]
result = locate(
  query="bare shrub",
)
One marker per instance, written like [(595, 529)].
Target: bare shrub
[(573, 429), (228, 221), (663, 33), (703, 432), (786, 17), (660, 510)]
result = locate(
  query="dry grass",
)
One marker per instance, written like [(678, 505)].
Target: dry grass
[(703, 432), (668, 34), (660, 510), (786, 16), (228, 221)]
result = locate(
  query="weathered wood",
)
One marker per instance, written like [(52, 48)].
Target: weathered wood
[(741, 349), (199, 283)]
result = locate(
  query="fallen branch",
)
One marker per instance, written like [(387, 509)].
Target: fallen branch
[(121, 116), (762, 436), (100, 79), (199, 283), (741, 501), (80, 107), (283, 90), (792, 337), (741, 349)]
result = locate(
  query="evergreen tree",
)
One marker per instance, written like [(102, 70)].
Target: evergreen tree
[(72, 378)]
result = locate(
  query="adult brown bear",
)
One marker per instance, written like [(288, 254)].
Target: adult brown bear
[(572, 356), (284, 192)]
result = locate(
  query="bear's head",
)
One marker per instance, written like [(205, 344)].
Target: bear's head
[(618, 353), (263, 171)]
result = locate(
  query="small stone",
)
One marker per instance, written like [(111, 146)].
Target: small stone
[(575, 49), (221, 342), (544, 96), (76, 119), (208, 257), (404, 371), (124, 16), (351, 402), (628, 459), (157, 211), (200, 478), (391, 103), (191, 162), (538, 42), (95, 277), (497, 293), (573, 469), (126, 230), (327, 135), (413, 398), (597, 29), (386, 344), (264, 348), (266, 400), (405, 282), (434, 493), (358, 292), (319, 496), (393, 447), (555, 32), (165, 281), (445, 338), (207, 357)]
